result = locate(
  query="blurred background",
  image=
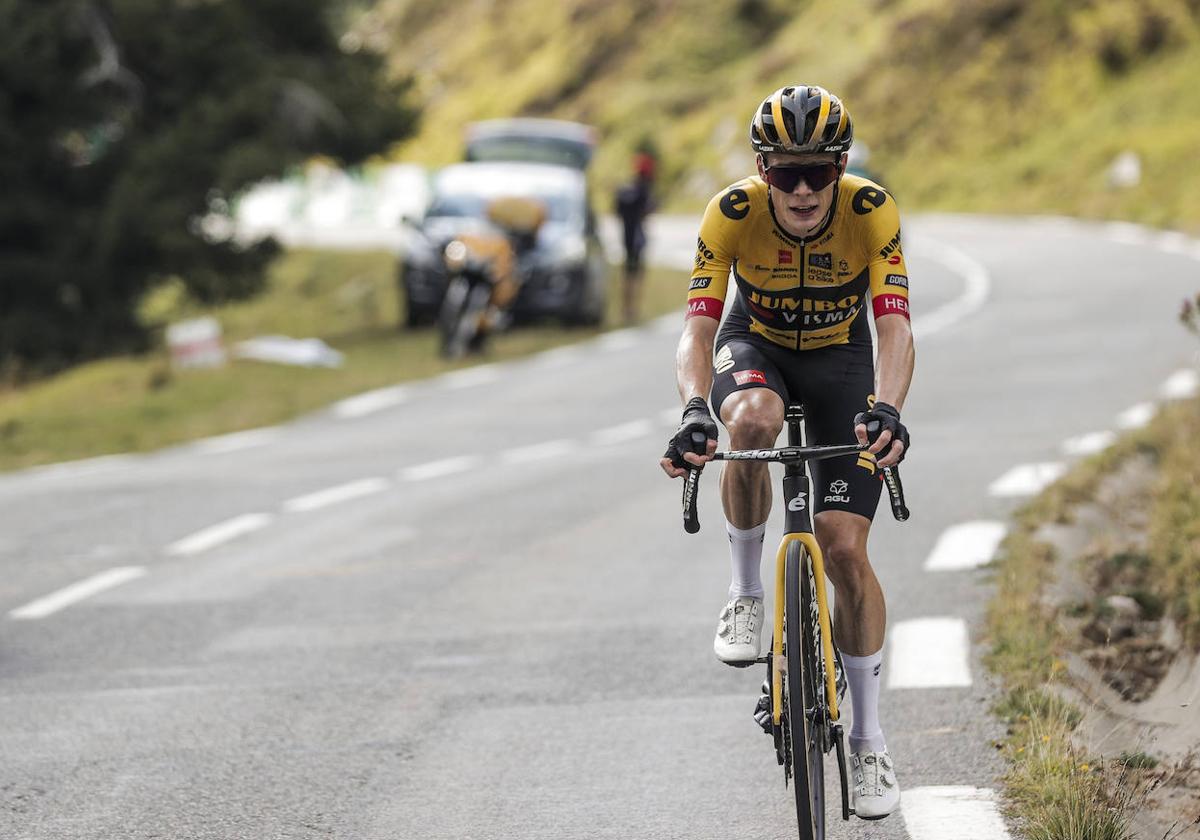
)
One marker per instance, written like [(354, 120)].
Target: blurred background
[(168, 162)]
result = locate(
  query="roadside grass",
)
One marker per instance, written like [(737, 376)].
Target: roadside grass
[(1055, 788), (136, 404)]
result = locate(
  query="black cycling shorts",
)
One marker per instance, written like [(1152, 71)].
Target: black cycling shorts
[(833, 384)]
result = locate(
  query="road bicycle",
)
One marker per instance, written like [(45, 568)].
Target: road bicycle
[(802, 686)]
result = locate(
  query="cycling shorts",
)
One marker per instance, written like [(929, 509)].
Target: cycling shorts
[(833, 384)]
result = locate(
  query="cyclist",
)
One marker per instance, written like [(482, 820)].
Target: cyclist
[(806, 244)]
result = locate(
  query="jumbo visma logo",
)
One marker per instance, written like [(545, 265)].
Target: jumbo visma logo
[(806, 312)]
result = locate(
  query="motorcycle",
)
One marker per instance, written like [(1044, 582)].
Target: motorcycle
[(484, 272)]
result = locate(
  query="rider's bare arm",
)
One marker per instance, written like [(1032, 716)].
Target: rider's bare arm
[(693, 372), (894, 369)]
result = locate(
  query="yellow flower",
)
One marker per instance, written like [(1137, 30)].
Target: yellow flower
[(1045, 738), (1085, 767)]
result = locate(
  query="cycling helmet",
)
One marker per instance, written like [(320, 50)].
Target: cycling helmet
[(801, 118)]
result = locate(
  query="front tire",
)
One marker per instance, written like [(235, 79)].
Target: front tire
[(801, 651)]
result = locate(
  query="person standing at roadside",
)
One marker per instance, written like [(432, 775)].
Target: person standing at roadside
[(634, 202)]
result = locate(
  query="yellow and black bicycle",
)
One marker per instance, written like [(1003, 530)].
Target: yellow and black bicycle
[(802, 674)]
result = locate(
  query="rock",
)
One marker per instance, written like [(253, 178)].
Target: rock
[(1123, 606)]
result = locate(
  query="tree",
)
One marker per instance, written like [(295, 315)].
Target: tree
[(122, 123)]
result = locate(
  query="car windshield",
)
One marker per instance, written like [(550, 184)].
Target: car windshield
[(559, 207)]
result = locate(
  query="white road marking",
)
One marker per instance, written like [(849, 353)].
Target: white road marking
[(952, 813), (1088, 444), (334, 495), (1181, 385), (77, 592), (538, 451), (1027, 479), (965, 546), (438, 469), (470, 377), (978, 284), (236, 441), (1137, 416), (222, 532), (1127, 233), (613, 435), (370, 402), (928, 653), (619, 339)]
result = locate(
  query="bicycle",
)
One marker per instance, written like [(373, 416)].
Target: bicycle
[(802, 680)]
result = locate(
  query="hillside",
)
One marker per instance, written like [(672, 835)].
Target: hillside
[(996, 105)]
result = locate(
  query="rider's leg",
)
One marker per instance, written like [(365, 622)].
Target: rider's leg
[(859, 618), (754, 418)]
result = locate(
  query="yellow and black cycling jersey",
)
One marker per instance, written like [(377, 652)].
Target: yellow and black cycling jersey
[(800, 293)]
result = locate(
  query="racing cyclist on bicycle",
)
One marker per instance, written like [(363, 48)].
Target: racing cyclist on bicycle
[(805, 243)]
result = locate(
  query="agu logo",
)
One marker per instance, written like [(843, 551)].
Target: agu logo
[(838, 492)]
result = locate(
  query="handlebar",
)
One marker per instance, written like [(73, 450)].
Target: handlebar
[(788, 455)]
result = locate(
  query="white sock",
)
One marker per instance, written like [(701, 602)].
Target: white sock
[(745, 554), (863, 675)]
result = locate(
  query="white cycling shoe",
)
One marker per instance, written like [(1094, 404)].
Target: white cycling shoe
[(739, 630), (875, 791)]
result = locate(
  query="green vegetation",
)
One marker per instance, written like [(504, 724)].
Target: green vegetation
[(991, 105), (1059, 792), (138, 403), (127, 124)]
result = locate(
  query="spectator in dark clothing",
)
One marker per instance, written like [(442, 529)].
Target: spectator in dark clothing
[(635, 201)]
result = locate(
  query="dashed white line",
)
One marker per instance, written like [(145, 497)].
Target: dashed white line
[(1137, 416), (334, 495), (1027, 479), (965, 546), (537, 451), (237, 441), (623, 433), (1181, 385), (438, 469), (222, 532), (928, 653), (370, 402), (470, 377), (952, 813), (1088, 444), (77, 592)]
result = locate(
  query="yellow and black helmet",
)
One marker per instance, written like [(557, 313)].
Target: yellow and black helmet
[(801, 118)]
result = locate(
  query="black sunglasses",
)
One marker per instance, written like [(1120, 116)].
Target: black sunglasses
[(818, 176)]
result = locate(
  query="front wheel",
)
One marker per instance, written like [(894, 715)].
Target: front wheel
[(805, 717), (461, 316)]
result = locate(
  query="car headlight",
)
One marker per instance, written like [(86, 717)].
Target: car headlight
[(569, 249)]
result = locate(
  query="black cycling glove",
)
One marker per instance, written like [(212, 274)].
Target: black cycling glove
[(695, 431), (888, 419)]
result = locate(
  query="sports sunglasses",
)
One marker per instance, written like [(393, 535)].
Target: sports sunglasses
[(818, 176)]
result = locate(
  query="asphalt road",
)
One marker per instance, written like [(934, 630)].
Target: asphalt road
[(492, 625)]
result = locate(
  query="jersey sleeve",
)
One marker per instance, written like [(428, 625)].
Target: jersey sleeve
[(889, 275), (715, 252)]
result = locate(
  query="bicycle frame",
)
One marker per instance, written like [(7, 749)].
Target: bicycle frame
[(797, 527)]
